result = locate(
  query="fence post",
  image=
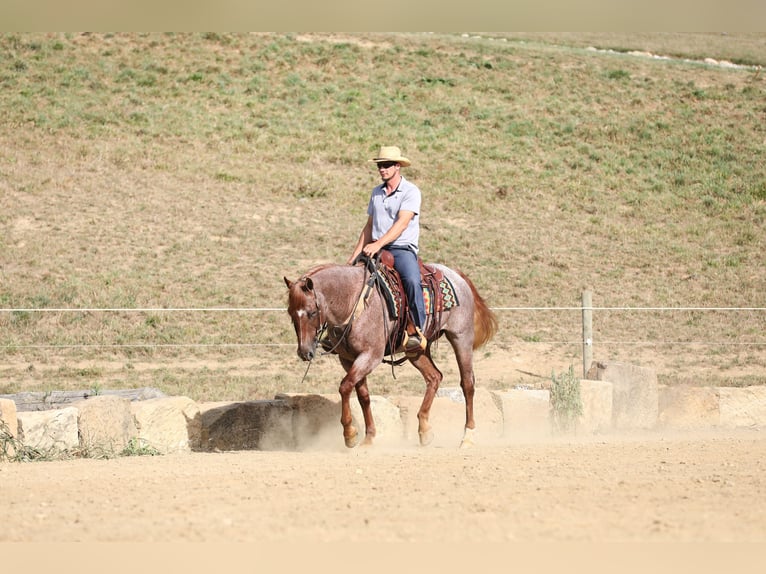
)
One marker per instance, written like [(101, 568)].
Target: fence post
[(587, 331)]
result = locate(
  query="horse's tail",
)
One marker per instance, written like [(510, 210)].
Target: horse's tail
[(484, 320)]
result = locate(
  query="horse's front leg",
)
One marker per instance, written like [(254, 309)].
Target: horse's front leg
[(352, 381), (349, 431)]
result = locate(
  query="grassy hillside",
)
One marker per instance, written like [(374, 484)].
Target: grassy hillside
[(195, 170)]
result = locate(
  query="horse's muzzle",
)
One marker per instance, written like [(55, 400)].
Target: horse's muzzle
[(308, 352), (306, 355)]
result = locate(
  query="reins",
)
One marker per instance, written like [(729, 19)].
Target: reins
[(358, 308)]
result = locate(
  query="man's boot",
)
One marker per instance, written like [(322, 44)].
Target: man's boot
[(414, 341)]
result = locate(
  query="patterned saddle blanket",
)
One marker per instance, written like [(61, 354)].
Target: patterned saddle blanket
[(438, 293)]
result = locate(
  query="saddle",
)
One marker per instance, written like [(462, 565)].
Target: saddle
[(438, 293)]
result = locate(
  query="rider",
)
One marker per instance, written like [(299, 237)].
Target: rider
[(393, 224)]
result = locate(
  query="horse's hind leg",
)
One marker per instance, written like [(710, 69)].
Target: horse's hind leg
[(464, 355), (433, 378), (363, 394), (468, 384)]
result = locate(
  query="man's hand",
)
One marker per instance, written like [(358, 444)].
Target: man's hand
[(372, 248)]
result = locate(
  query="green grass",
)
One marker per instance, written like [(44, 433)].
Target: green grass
[(195, 170)]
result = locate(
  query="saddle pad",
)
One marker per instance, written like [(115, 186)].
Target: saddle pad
[(445, 299), (448, 297)]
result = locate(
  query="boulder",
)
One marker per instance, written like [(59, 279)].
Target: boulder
[(526, 413), (742, 407), (635, 394), (49, 431), (105, 423), (316, 420), (169, 424), (45, 400), (251, 425), (687, 407), (408, 410), (389, 428), (447, 416), (8, 416), (596, 397), (9, 428)]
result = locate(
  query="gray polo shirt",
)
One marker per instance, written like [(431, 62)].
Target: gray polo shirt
[(384, 210)]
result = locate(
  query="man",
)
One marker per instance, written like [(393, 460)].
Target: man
[(393, 224)]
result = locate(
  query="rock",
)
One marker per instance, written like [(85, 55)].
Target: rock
[(49, 431), (105, 423), (9, 428), (686, 407), (742, 407), (316, 420), (447, 416), (169, 425), (261, 425), (389, 427), (526, 413), (635, 394), (45, 400), (596, 397), (8, 416)]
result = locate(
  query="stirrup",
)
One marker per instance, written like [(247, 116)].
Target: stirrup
[(415, 343)]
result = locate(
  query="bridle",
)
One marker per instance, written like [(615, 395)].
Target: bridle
[(321, 332), (368, 284)]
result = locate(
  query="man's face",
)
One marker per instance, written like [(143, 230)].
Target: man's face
[(387, 169)]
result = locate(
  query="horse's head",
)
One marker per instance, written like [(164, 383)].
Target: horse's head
[(303, 306)]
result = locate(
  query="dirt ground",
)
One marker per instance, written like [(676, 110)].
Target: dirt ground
[(647, 487)]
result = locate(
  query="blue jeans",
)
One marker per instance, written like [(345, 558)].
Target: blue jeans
[(406, 264)]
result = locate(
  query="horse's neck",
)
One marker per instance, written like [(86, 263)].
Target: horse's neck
[(339, 288)]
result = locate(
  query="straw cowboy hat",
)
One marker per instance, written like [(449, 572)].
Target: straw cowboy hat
[(391, 153)]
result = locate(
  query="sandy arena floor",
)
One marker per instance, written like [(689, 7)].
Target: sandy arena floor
[(652, 487)]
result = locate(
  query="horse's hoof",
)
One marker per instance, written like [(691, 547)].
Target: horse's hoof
[(467, 441), (426, 437), (367, 442), (351, 439)]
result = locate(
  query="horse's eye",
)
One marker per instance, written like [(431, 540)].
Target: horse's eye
[(312, 314)]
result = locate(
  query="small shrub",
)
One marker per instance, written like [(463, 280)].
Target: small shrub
[(618, 74), (136, 447), (566, 404)]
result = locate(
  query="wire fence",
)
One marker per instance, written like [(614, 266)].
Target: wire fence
[(288, 343), (237, 353)]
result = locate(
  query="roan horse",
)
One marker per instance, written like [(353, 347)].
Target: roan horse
[(325, 308)]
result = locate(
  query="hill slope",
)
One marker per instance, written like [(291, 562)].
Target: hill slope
[(194, 171)]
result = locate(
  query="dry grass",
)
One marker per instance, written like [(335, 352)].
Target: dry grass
[(185, 171)]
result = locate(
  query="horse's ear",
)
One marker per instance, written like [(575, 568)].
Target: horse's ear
[(288, 283), (309, 284)]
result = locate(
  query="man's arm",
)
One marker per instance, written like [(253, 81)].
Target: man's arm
[(365, 237), (403, 219)]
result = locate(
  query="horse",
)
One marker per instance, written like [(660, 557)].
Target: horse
[(333, 306)]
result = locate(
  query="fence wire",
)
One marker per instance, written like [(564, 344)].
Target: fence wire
[(504, 310)]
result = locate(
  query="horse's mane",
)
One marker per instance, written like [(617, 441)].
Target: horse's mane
[(296, 295), (316, 269)]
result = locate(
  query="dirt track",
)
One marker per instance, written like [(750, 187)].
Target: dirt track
[(708, 487)]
